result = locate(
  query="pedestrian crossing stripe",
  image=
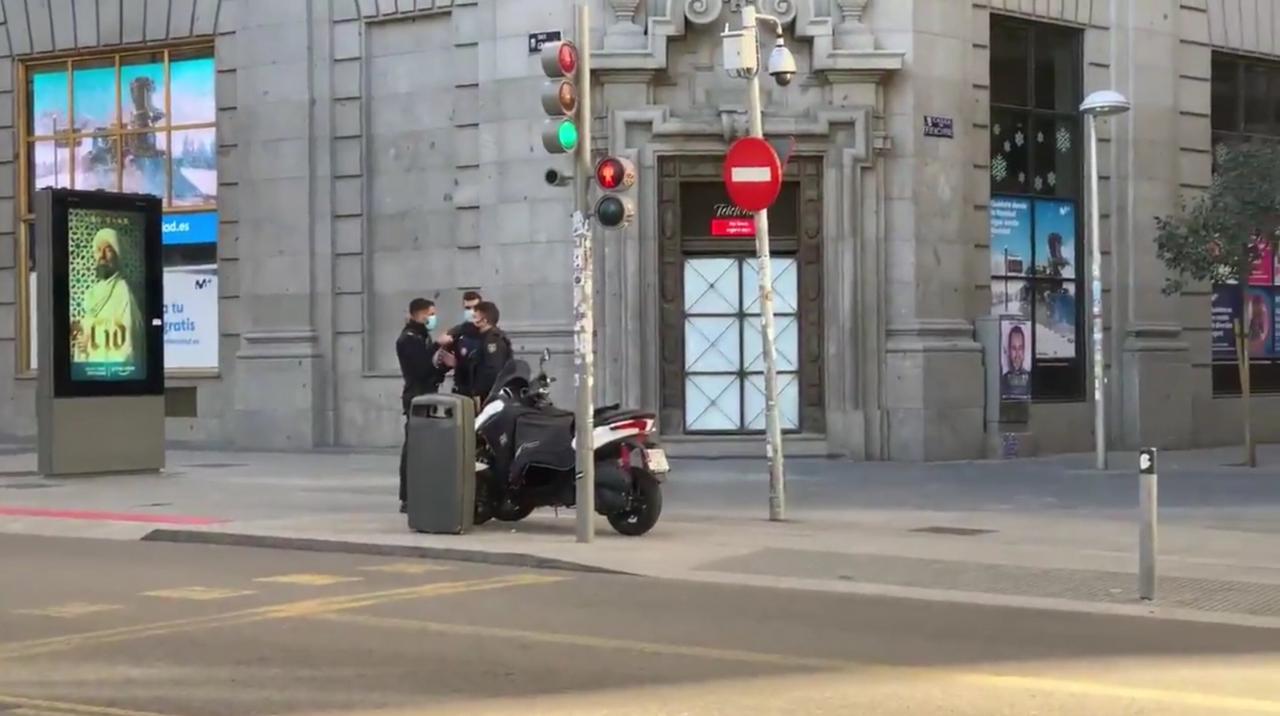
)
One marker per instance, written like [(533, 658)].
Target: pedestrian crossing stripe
[(310, 580), (404, 568), (69, 611), (197, 593)]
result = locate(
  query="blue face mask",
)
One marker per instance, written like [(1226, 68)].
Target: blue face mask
[(468, 315), (431, 322)]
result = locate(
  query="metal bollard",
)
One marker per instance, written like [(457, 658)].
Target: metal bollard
[(1147, 507)]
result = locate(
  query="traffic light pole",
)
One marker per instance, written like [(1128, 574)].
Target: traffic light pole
[(583, 296), (773, 447)]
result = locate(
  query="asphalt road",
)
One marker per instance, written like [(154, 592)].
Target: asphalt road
[(105, 628)]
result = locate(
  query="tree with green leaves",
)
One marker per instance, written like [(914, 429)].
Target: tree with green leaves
[(1219, 236)]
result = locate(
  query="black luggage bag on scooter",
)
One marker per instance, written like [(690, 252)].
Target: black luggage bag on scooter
[(542, 439)]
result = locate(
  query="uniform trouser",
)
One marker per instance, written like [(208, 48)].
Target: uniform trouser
[(404, 462)]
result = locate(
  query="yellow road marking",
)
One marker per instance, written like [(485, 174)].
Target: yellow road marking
[(306, 607), (1026, 683), (404, 568), (38, 706), (200, 594), (1097, 688), (68, 611), (310, 580)]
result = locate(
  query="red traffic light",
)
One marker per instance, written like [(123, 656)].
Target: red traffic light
[(609, 173), (567, 58), (615, 173)]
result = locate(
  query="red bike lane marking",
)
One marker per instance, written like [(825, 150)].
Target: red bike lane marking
[(99, 516)]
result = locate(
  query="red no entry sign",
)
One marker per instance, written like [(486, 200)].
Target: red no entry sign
[(752, 174)]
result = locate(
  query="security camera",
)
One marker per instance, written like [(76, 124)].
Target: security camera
[(782, 64), (555, 177)]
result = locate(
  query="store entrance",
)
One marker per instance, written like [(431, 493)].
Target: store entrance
[(713, 364)]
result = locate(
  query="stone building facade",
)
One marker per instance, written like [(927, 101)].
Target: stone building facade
[(368, 151)]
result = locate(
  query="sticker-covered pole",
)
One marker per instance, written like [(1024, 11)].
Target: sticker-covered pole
[(773, 428), (583, 297)]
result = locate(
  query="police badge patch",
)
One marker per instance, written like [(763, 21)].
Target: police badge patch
[(493, 347)]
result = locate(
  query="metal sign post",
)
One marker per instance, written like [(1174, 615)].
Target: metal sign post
[(1147, 506), (773, 427), (583, 297)]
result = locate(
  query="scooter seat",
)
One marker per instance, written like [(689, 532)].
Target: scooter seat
[(611, 413)]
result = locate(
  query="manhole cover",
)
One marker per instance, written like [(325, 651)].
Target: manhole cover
[(27, 486), (216, 465), (956, 531)]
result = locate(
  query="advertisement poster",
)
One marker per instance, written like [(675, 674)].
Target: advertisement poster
[(1260, 324), (1055, 243), (1226, 306), (1010, 297), (1010, 229), (191, 318), (1264, 269), (1056, 320), (107, 274), (1015, 368)]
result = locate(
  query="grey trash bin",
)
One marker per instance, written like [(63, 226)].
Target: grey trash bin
[(441, 466)]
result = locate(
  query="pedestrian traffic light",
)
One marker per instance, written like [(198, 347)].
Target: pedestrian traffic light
[(616, 177), (560, 97)]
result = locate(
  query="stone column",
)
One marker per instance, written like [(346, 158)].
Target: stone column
[(279, 364), (933, 366), (1150, 392)]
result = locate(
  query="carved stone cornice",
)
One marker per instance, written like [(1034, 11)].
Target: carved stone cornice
[(841, 51)]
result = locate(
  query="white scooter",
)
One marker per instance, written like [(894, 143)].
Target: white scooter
[(526, 455)]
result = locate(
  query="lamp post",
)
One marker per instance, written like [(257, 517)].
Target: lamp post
[(1103, 103), (742, 60)]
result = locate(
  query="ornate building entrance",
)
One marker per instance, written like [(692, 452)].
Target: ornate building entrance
[(713, 365)]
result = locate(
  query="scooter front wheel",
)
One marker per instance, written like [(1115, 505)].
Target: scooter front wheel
[(511, 512), (644, 505)]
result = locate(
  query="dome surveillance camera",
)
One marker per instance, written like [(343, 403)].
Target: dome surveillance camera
[(782, 64)]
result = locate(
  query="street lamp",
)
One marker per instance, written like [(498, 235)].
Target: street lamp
[(742, 60), (1103, 103)]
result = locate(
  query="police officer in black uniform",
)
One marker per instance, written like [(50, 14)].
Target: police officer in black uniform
[(466, 345), (494, 353), (416, 352)]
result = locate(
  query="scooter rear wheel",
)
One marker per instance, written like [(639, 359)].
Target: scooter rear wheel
[(645, 506)]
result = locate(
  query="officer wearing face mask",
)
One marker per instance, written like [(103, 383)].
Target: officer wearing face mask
[(467, 344), (416, 350)]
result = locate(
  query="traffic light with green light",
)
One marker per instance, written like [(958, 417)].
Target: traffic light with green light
[(560, 97)]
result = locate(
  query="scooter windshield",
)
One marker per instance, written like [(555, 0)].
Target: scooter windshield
[(514, 375)]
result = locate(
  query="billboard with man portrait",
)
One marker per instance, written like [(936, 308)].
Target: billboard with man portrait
[(101, 314), (106, 289)]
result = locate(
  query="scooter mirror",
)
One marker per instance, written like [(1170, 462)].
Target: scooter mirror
[(546, 356)]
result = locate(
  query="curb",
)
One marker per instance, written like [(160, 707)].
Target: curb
[(301, 544)]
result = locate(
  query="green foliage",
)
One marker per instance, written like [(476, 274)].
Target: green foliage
[(1220, 235)]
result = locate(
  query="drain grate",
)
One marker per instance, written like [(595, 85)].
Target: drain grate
[(27, 486), (216, 465), (955, 531), (19, 473)]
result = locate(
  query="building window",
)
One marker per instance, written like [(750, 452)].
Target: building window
[(1246, 108), (140, 122), (1036, 193)]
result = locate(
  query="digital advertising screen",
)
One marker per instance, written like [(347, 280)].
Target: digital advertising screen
[(106, 290), (104, 322)]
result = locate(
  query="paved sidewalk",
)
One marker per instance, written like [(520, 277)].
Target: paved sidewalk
[(1046, 532)]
